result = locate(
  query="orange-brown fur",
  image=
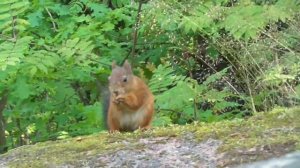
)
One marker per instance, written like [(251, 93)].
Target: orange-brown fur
[(131, 103)]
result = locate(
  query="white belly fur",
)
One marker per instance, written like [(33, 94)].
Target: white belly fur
[(131, 120)]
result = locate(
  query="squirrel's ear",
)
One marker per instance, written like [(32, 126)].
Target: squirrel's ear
[(113, 65), (127, 66)]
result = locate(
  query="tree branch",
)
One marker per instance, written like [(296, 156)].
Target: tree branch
[(14, 27), (52, 20), (3, 102), (7, 38), (135, 28)]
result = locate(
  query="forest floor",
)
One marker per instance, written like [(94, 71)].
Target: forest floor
[(220, 144)]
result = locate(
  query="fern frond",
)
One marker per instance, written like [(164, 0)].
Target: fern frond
[(9, 20), (77, 51), (12, 52), (164, 78)]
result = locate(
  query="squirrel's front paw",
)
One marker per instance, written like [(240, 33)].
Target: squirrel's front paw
[(119, 99)]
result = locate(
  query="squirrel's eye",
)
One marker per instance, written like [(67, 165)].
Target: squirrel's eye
[(125, 79)]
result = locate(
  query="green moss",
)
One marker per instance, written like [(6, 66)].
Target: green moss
[(281, 126), (276, 127)]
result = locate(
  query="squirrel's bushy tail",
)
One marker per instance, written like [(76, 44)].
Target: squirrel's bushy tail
[(105, 104), (105, 96)]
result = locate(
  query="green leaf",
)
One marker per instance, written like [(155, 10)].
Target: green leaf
[(61, 10), (163, 78), (35, 18), (213, 52), (224, 104), (99, 10), (162, 121), (108, 26), (63, 92), (21, 89), (216, 76), (207, 116)]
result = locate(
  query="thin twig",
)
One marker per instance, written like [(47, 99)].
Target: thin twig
[(14, 27), (135, 28), (225, 78), (153, 43), (52, 20), (278, 42), (168, 110), (102, 63), (250, 94), (7, 38)]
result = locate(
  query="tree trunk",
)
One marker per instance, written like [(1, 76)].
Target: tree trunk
[(3, 102)]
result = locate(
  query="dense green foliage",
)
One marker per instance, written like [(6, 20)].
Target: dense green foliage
[(205, 60)]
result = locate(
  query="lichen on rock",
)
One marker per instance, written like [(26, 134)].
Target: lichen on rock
[(220, 144)]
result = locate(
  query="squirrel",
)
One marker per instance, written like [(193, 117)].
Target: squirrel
[(131, 103)]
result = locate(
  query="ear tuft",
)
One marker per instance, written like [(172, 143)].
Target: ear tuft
[(127, 67)]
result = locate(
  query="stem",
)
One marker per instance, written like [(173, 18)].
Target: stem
[(14, 28), (3, 102), (52, 20), (135, 28), (250, 94)]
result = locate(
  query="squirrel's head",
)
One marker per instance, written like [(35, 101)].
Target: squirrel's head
[(120, 80)]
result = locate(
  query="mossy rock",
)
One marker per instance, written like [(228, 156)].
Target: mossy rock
[(220, 144)]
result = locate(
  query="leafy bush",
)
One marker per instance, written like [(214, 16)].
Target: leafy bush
[(205, 60), (245, 35), (178, 98), (50, 54)]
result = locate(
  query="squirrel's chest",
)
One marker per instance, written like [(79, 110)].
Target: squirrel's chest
[(131, 120)]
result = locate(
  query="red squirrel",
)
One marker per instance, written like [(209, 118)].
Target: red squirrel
[(131, 103)]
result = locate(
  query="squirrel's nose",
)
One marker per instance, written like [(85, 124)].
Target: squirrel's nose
[(116, 92)]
